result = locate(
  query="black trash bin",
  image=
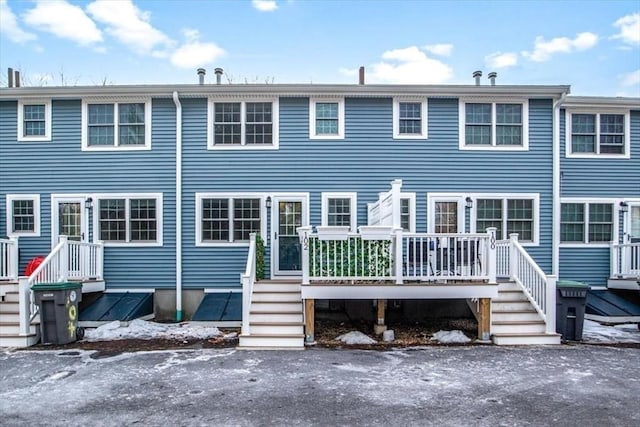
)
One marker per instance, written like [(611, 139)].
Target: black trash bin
[(58, 305), (571, 300)]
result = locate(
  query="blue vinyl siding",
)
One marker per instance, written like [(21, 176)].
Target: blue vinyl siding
[(60, 166), (588, 265)]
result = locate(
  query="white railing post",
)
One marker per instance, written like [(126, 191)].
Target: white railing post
[(514, 259), (247, 278), (303, 233), (64, 260), (550, 304), (24, 304), (13, 258), (100, 260), (398, 258), (491, 252), (396, 188), (613, 259)]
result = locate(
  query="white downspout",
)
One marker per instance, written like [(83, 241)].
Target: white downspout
[(555, 262), (176, 100)]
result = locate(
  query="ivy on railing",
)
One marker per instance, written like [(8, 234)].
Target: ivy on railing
[(353, 257), (259, 257)]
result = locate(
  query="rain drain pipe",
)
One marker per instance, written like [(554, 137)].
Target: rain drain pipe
[(555, 258), (176, 100)]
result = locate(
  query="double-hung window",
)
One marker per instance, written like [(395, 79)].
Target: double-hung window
[(135, 219), (409, 118), (586, 222), (23, 215), (340, 209), (116, 125), (592, 134), (494, 125), (508, 214), (326, 118), (228, 219), (34, 120), (243, 124)]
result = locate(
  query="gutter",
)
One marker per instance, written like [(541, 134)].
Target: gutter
[(555, 260), (176, 101)]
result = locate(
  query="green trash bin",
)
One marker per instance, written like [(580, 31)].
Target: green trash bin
[(571, 301), (58, 305)]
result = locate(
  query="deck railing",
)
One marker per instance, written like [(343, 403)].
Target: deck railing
[(9, 259), (625, 260), (502, 258), (248, 279)]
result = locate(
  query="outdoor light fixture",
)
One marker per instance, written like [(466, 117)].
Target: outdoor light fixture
[(468, 202), (624, 207), (268, 202), (88, 203)]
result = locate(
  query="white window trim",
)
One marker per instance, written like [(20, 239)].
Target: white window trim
[(115, 147), (582, 200), (275, 125), (493, 147), (47, 121), (312, 117), (128, 196), (36, 215), (229, 195), (412, 210), (353, 196), (432, 198), (597, 155), (508, 196), (423, 118)]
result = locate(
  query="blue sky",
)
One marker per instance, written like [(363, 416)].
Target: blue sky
[(592, 45)]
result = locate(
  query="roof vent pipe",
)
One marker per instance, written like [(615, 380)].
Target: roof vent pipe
[(10, 77), (17, 79), (361, 76), (201, 73), (477, 75), (492, 76), (218, 72)]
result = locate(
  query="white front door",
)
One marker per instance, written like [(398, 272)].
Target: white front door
[(69, 218), (288, 213), (633, 223)]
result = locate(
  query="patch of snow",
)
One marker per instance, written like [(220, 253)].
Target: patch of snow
[(356, 337), (143, 329), (450, 337), (594, 332)]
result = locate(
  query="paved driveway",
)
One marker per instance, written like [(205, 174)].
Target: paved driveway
[(442, 386)]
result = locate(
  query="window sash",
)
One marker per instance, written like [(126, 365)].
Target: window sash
[(583, 222), (243, 123), (128, 220), (327, 118), (410, 118), (116, 124), (339, 211), (229, 220), (494, 124), (23, 216), (34, 120), (597, 133)]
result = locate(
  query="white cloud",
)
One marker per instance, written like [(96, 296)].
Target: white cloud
[(9, 25), (631, 79), (543, 50), (130, 26), (406, 66), (501, 60), (440, 49), (265, 5), (629, 26), (64, 20), (194, 53)]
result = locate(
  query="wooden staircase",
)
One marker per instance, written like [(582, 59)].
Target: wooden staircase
[(10, 319), (514, 320), (276, 316)]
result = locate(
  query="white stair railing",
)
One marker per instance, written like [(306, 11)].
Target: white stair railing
[(248, 279), (503, 248), (9, 259), (625, 260), (539, 288)]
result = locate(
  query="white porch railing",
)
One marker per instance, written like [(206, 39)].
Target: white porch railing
[(539, 288), (9, 259), (248, 279), (625, 260), (502, 258)]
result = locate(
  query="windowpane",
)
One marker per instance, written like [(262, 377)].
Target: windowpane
[(259, 126), (478, 114), (520, 218), (215, 220), (100, 124), (23, 213), (489, 214), (446, 217), (246, 218), (131, 125), (326, 118), (611, 133), (410, 118), (600, 222), (143, 220), (34, 120), (508, 114), (227, 123), (572, 222), (112, 221), (583, 133), (339, 212), (477, 135), (405, 214)]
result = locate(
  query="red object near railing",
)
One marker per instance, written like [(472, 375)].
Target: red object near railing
[(32, 265)]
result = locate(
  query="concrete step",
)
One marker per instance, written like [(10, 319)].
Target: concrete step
[(6, 287), (276, 306), (281, 296), (514, 315), (14, 340), (507, 305), (11, 297), (517, 327), (509, 286), (271, 342), (276, 287), (276, 328), (526, 339), (515, 295), (7, 316), (262, 316), (13, 328)]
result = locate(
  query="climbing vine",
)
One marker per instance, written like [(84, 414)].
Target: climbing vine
[(353, 257)]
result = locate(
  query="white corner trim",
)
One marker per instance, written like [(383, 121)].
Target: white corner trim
[(10, 198), (47, 121), (424, 118), (312, 117), (115, 147), (493, 147)]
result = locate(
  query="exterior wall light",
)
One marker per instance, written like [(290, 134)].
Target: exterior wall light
[(468, 202), (88, 203), (268, 202), (624, 207)]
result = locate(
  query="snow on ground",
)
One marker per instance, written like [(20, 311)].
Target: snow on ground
[(450, 337), (356, 337), (142, 329), (593, 332)]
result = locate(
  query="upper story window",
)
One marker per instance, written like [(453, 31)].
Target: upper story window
[(326, 118), (131, 219), (494, 125), (340, 209), (116, 125), (228, 219), (517, 213), (409, 118), (34, 120), (585, 222), (243, 124), (598, 134), (23, 215)]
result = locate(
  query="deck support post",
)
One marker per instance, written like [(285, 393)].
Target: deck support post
[(484, 319), (309, 322), (380, 327)]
